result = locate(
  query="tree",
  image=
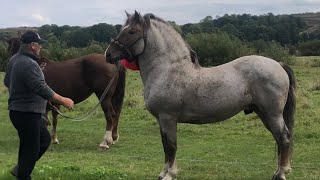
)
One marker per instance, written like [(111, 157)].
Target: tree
[(175, 26), (102, 32), (118, 27), (190, 29), (77, 38), (207, 25)]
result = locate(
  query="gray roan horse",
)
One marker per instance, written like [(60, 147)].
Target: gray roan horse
[(178, 90)]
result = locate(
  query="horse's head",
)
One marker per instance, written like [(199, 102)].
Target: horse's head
[(13, 48), (13, 45), (131, 40)]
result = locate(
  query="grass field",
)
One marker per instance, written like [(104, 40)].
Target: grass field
[(238, 149)]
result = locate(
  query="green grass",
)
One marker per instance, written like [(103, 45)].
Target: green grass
[(240, 148)]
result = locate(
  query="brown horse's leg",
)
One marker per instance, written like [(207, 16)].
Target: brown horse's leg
[(110, 116), (115, 135), (46, 118), (54, 138), (280, 132), (168, 131)]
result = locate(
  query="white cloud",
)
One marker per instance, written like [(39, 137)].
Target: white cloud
[(38, 17)]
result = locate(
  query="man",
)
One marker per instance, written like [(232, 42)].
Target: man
[(28, 95)]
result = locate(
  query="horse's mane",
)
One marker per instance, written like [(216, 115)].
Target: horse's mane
[(152, 16), (147, 17)]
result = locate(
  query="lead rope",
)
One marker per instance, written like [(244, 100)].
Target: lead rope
[(83, 117)]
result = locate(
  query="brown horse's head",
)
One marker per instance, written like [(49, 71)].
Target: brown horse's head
[(13, 45)]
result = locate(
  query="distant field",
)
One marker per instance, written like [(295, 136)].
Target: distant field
[(238, 149)]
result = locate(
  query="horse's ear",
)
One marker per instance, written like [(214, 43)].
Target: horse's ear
[(137, 17), (128, 15)]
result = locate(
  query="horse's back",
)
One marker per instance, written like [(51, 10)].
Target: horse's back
[(260, 70), (267, 81), (97, 72), (98, 62), (225, 90)]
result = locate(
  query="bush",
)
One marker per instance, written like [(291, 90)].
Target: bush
[(310, 48), (4, 56), (217, 48), (272, 50)]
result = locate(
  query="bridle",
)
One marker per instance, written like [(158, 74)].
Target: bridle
[(125, 49)]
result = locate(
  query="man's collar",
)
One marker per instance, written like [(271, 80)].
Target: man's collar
[(29, 54)]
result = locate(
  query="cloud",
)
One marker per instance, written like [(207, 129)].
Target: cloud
[(38, 17)]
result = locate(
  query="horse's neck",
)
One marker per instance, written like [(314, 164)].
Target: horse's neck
[(45, 61), (164, 49)]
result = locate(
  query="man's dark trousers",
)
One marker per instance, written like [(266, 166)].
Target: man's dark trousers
[(34, 140)]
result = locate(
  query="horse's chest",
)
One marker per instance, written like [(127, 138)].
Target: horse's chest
[(163, 99)]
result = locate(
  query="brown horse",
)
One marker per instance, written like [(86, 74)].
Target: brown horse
[(77, 79)]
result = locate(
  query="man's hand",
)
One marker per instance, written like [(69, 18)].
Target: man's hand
[(68, 103)]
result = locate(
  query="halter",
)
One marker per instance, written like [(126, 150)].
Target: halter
[(125, 52)]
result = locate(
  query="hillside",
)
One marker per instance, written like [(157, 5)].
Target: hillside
[(10, 32), (312, 19), (313, 22)]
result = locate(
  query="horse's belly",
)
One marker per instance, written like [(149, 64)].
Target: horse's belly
[(201, 117)]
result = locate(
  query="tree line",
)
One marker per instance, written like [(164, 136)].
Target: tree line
[(216, 40)]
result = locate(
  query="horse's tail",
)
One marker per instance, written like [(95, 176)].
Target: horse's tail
[(118, 96), (290, 107)]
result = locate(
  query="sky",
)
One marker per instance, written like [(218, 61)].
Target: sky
[(35, 13)]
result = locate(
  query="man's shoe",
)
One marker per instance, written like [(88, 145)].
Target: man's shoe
[(14, 171)]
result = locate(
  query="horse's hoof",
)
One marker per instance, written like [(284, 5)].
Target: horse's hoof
[(167, 177), (55, 141), (278, 177), (103, 146), (162, 175), (288, 171), (109, 141), (115, 139)]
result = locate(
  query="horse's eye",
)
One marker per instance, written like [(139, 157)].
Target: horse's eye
[(131, 32)]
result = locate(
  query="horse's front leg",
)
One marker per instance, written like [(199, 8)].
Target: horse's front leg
[(110, 116), (168, 130), (54, 138), (115, 135), (45, 117)]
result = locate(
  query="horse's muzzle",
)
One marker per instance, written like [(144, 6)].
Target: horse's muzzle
[(111, 59)]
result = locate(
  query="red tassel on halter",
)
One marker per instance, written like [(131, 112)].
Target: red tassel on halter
[(129, 65)]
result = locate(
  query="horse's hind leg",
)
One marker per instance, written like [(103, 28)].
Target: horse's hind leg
[(54, 137), (168, 130), (110, 116), (115, 135), (276, 125)]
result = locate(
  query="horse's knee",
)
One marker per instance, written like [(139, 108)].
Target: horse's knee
[(286, 138)]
